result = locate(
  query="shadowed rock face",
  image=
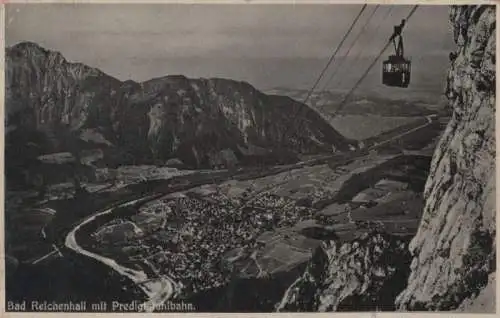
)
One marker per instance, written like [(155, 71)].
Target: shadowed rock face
[(169, 117), (361, 275), (454, 249)]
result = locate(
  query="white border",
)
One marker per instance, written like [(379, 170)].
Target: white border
[(242, 2)]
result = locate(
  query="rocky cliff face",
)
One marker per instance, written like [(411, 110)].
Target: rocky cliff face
[(454, 249), (450, 262), (361, 275), (168, 117)]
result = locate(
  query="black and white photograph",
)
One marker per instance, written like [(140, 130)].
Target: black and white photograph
[(249, 157)]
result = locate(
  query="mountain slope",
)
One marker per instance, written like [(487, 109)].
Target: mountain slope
[(168, 117)]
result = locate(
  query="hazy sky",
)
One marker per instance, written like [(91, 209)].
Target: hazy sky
[(247, 42)]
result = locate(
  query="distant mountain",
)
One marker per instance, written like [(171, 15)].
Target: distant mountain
[(199, 121), (367, 103)]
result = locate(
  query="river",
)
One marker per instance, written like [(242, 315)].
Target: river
[(157, 290)]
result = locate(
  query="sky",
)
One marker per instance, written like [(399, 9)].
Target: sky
[(267, 45)]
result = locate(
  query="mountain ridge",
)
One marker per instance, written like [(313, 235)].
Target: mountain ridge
[(194, 120)]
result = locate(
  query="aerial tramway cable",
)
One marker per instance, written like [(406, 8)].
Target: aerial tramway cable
[(332, 58), (356, 58), (341, 62), (389, 42)]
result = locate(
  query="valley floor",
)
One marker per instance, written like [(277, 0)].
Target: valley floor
[(225, 228)]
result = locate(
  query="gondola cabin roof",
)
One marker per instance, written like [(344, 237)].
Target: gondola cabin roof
[(397, 59)]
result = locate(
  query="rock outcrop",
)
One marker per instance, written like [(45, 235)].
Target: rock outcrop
[(454, 249), (361, 275), (363, 262), (193, 120)]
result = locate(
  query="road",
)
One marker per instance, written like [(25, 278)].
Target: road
[(430, 120), (163, 288), (38, 260)]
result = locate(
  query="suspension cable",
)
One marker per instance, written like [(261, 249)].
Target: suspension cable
[(344, 101), (332, 57), (341, 62), (356, 58)]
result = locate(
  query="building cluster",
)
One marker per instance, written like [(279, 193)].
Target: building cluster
[(199, 230)]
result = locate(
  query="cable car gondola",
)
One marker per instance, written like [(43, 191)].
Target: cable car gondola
[(396, 70)]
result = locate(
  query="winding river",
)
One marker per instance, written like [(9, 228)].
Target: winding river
[(157, 290)]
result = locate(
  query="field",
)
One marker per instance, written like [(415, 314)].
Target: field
[(360, 127), (376, 191)]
